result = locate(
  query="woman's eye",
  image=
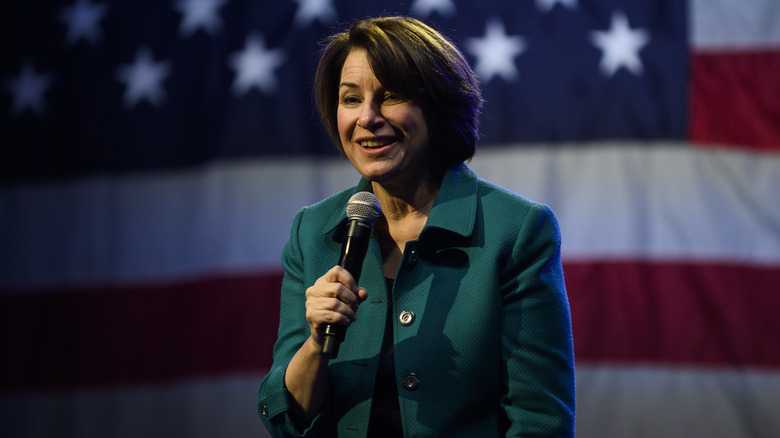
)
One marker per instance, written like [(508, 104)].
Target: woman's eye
[(347, 100)]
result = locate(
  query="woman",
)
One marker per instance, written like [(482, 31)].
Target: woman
[(460, 325)]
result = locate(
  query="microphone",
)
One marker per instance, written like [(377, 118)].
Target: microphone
[(363, 209)]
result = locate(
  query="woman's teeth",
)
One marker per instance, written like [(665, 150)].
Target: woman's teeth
[(372, 144)]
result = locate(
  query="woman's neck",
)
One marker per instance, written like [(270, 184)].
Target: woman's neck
[(406, 200), (403, 218)]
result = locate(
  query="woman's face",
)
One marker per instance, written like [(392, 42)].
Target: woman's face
[(384, 136)]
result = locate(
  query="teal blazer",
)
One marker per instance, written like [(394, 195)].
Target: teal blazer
[(488, 349)]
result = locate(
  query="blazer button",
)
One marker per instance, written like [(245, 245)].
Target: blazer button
[(413, 258), (406, 318), (411, 381), (264, 411)]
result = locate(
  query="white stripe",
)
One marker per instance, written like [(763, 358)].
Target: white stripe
[(657, 201), (734, 24), (648, 402), (614, 200), (222, 407), (635, 402), (224, 217)]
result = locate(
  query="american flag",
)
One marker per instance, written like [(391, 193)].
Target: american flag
[(154, 153)]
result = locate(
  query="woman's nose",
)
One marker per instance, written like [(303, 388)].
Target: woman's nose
[(370, 116)]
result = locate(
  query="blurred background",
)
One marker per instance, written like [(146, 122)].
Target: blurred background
[(153, 154)]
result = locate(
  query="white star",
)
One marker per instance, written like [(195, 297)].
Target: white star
[(547, 5), (254, 66), (198, 14), (495, 52), (83, 21), (424, 8), (620, 46), (310, 10), (143, 79), (27, 90)]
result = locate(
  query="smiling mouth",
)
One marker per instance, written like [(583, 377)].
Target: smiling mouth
[(374, 144)]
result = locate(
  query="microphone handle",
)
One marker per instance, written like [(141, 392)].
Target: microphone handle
[(353, 252)]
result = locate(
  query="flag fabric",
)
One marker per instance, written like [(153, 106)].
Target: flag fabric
[(154, 154)]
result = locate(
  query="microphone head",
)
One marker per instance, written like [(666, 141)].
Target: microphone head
[(365, 206)]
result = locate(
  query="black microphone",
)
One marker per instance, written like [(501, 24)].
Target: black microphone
[(363, 209)]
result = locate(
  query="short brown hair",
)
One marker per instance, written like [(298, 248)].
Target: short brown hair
[(420, 64)]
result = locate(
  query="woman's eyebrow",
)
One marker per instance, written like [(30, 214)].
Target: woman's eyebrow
[(348, 85)]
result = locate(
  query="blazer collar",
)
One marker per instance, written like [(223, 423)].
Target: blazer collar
[(340, 217), (454, 209)]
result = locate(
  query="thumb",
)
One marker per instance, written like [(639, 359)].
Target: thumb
[(362, 294)]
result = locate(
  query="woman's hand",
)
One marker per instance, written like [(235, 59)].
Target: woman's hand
[(333, 299)]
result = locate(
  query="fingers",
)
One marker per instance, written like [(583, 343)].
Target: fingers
[(337, 283), (333, 299), (329, 310)]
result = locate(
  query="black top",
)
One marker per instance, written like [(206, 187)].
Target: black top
[(385, 419)]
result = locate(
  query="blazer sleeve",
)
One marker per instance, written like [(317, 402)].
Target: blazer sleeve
[(537, 345), (273, 403)]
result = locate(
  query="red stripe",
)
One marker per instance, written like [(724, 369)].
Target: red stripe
[(688, 313), (684, 313), (736, 99), (125, 335)]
